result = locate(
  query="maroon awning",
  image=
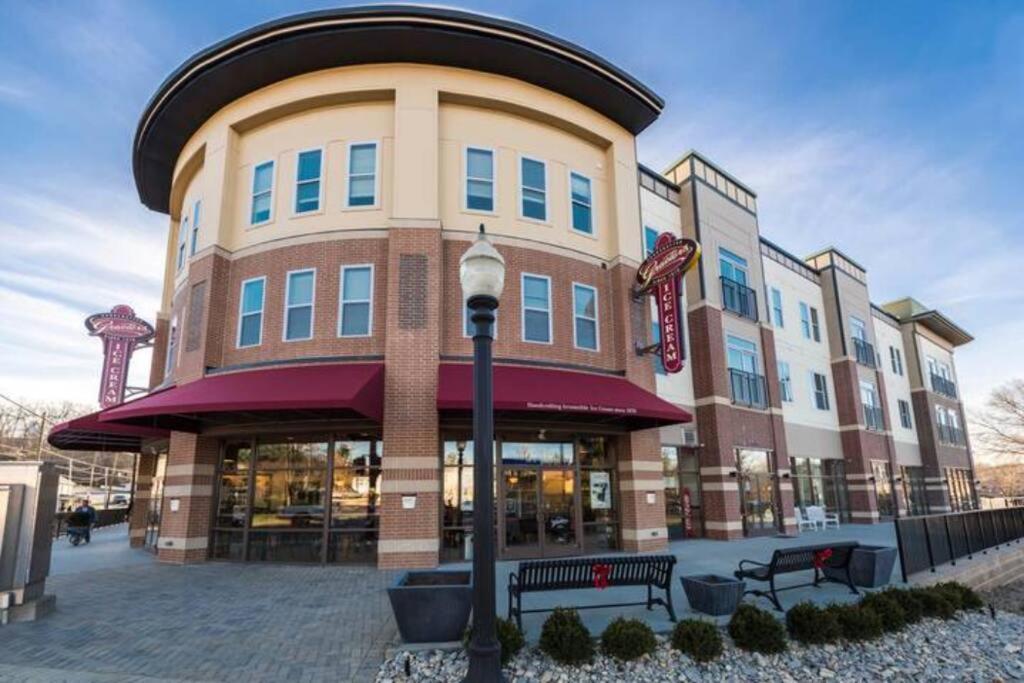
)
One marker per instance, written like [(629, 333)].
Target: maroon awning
[(341, 390), (549, 394), (87, 433)]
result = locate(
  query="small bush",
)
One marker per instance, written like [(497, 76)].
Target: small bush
[(858, 623), (628, 639), (809, 624), (960, 595), (891, 612), (934, 603), (699, 639), (949, 591), (509, 635), (913, 611), (756, 630), (565, 639)]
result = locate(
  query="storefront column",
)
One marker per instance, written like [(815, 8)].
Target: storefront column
[(780, 450), (188, 498), (720, 488), (145, 468), (641, 492)]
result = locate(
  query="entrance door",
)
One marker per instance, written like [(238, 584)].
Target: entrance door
[(540, 517), (883, 487), (521, 486), (558, 509), (757, 498)]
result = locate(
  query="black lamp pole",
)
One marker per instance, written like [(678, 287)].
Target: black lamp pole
[(484, 649)]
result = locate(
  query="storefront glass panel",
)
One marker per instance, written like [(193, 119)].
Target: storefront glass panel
[(883, 487), (820, 482), (673, 502), (915, 498), (756, 491)]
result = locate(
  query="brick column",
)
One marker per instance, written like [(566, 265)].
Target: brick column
[(410, 537), (145, 468), (936, 492), (780, 452), (189, 486), (860, 489)]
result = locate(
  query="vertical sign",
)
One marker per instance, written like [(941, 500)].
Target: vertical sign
[(121, 332), (687, 514), (661, 274)]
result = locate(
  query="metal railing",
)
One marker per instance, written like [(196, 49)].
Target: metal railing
[(865, 352), (951, 435), (739, 298), (931, 541), (873, 418), (748, 389), (941, 385)]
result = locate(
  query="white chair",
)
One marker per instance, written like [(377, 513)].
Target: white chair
[(819, 517), (802, 521)]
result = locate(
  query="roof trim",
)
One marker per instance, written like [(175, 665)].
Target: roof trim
[(313, 41), (943, 326), (718, 169)]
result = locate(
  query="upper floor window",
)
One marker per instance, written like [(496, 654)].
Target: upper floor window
[(533, 192), (809, 322), (196, 209), (785, 382), (298, 305), (308, 170), (741, 354), (904, 414), (182, 240), (896, 360), (479, 179), (355, 319), (262, 193), (732, 267), (172, 347), (580, 197), (857, 329), (584, 301), (536, 308), (362, 174), (250, 312), (819, 385), (777, 307), (650, 239)]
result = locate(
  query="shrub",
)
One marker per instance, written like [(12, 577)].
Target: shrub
[(891, 612), (812, 625), (963, 597), (565, 639), (913, 611), (756, 630), (628, 639), (699, 639), (934, 603), (858, 623), (509, 635), (949, 591)]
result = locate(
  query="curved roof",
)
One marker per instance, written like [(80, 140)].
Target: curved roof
[(312, 41)]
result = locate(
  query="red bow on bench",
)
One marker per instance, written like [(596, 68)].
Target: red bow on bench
[(601, 572), (821, 557)]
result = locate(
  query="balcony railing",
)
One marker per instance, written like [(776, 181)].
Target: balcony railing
[(873, 418), (865, 352), (739, 298), (943, 386), (747, 388), (952, 435)]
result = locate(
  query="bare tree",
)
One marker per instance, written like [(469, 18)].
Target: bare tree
[(1002, 422)]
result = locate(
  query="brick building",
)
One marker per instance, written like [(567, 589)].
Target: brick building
[(310, 387)]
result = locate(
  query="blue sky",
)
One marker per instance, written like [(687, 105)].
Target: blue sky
[(892, 130)]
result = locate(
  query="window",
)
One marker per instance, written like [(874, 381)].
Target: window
[(896, 360), (479, 179), (872, 411), (785, 382), (536, 308), (584, 301), (182, 236), (777, 307), (307, 181), (581, 201), (250, 313), (262, 193), (858, 329), (533, 189), (732, 267), (362, 174), (904, 414), (819, 385), (172, 346), (742, 354), (815, 330), (650, 239), (468, 329), (196, 208), (298, 305), (805, 320), (355, 319)]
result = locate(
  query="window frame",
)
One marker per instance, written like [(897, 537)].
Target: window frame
[(903, 408), (348, 206), (523, 308), (270, 191), (737, 263), (785, 382), (171, 355), (656, 232), (734, 342), (288, 307), (342, 301), (319, 179), (577, 316), (183, 231), (823, 392), (197, 206), (778, 316), (805, 320), (547, 181), (590, 205), (815, 324), (896, 361), (466, 149), (242, 314), (858, 326)]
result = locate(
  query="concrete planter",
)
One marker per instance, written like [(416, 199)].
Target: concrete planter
[(432, 606), (870, 566), (714, 595)]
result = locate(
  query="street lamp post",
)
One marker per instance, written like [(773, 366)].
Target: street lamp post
[(482, 273)]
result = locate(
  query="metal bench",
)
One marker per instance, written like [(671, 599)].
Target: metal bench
[(653, 571), (832, 556)]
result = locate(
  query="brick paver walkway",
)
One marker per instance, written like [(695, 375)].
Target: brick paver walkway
[(209, 622)]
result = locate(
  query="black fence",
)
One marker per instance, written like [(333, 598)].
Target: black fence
[(930, 541), (103, 518)]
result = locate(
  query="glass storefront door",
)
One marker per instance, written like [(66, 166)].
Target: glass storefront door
[(522, 511), (757, 499), (883, 487), (155, 504)]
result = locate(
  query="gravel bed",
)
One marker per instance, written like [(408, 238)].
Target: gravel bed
[(975, 647), (1008, 597)]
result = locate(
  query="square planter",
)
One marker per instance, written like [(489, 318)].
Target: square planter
[(714, 595), (870, 566), (432, 606)]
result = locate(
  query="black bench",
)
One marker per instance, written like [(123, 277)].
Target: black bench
[(832, 556), (653, 571)]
